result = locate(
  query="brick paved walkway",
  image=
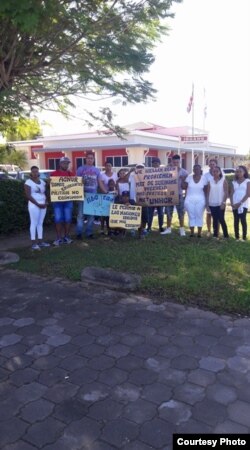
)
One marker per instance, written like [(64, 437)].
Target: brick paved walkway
[(100, 370)]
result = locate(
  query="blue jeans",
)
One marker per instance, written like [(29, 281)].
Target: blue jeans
[(151, 210), (63, 212), (179, 208), (79, 221)]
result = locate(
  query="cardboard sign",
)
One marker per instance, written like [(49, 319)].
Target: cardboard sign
[(97, 204), (157, 186), (124, 216), (64, 189)]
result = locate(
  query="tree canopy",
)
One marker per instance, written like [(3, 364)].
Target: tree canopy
[(19, 129), (51, 50)]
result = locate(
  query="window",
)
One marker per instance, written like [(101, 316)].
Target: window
[(53, 163), (80, 162), (183, 163), (117, 161), (148, 161)]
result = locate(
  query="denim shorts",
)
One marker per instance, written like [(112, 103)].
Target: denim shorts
[(63, 212), (180, 208)]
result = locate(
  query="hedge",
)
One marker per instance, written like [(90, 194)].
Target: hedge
[(14, 214)]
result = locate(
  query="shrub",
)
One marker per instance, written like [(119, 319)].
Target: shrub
[(14, 214)]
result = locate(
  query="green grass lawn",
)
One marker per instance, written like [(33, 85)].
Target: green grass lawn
[(205, 272)]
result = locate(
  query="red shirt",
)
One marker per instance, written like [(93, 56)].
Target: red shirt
[(62, 173)]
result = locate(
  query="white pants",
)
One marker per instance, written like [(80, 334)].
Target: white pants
[(36, 220), (195, 207)]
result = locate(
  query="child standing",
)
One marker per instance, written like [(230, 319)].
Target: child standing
[(105, 219)]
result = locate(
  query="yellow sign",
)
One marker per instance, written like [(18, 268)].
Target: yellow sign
[(127, 217), (157, 186), (63, 189)]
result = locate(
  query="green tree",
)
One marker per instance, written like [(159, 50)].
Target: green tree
[(51, 50), (19, 129), (9, 155)]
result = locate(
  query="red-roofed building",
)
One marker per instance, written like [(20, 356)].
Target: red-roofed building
[(142, 142)]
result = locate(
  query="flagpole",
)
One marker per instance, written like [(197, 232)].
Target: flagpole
[(193, 124), (193, 111), (204, 109)]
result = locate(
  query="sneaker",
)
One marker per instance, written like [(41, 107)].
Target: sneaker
[(167, 231), (44, 244), (182, 231), (67, 240), (35, 247), (161, 230), (57, 242)]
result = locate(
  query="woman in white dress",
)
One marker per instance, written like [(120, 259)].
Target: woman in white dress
[(35, 191), (195, 200), (240, 192)]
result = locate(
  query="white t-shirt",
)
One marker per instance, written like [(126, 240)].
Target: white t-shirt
[(240, 190), (209, 177), (123, 187), (105, 178), (195, 190), (216, 192), (37, 191)]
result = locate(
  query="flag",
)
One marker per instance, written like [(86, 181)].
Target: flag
[(205, 105), (191, 100)]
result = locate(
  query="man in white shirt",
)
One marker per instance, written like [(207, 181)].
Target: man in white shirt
[(182, 174)]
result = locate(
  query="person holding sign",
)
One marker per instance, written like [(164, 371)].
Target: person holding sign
[(182, 173), (144, 212), (123, 199), (105, 219), (109, 179), (122, 183), (63, 210), (91, 176), (35, 191), (156, 162)]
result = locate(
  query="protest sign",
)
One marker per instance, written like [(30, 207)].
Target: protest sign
[(157, 186), (127, 217), (63, 189), (97, 204)]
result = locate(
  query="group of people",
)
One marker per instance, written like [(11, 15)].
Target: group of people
[(211, 191), (208, 191)]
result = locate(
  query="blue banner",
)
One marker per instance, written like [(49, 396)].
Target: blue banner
[(97, 204)]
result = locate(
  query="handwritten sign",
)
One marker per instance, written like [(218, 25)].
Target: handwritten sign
[(127, 217), (63, 189), (157, 186), (97, 204)]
